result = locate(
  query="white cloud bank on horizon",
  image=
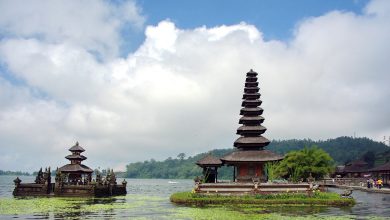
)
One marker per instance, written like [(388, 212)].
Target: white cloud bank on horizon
[(180, 91)]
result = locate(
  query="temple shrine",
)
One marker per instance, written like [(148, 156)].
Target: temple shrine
[(73, 179), (249, 158)]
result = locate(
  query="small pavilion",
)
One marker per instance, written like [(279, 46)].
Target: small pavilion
[(210, 165), (383, 172), (250, 157), (75, 172)]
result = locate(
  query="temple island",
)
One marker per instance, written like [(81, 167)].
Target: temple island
[(249, 158), (249, 185), (73, 179)]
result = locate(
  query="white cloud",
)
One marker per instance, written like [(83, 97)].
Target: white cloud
[(93, 25), (181, 90)]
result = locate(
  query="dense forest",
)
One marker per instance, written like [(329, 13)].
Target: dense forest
[(342, 150)]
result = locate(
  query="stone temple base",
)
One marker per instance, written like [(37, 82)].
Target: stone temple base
[(33, 189), (250, 188)]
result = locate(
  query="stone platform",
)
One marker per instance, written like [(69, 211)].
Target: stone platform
[(250, 188)]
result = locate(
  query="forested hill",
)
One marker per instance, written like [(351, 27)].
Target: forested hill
[(342, 150)]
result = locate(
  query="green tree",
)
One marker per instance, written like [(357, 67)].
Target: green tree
[(300, 164), (270, 168), (181, 156), (369, 158)]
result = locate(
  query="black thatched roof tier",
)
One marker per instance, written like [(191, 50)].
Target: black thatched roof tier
[(251, 79), (251, 96), (251, 84), (77, 148), (243, 130), (76, 157), (251, 156), (251, 89), (250, 103), (75, 168), (251, 73), (251, 120), (209, 160), (251, 142), (251, 111), (384, 167)]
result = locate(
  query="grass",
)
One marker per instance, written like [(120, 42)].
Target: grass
[(317, 199), (222, 213)]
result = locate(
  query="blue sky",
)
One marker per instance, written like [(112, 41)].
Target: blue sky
[(133, 80), (276, 19)]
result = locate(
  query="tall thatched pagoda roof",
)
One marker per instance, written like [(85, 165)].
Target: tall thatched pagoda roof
[(250, 145), (75, 158)]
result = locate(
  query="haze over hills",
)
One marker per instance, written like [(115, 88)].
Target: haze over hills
[(341, 149)]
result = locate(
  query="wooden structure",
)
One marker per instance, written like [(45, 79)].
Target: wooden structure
[(42, 185), (210, 167), (249, 158), (75, 172), (74, 179), (355, 169), (383, 172)]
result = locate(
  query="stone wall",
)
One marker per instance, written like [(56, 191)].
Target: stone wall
[(31, 189)]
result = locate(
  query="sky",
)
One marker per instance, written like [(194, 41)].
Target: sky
[(135, 80)]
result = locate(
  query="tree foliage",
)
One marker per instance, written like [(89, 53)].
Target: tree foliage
[(301, 164), (341, 149), (178, 168), (369, 158)]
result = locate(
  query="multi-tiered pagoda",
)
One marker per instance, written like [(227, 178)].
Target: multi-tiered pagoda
[(249, 158), (76, 172)]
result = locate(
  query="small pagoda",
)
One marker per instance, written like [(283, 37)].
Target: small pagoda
[(249, 158), (76, 172)]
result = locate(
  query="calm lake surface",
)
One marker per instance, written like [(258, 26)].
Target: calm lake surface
[(149, 199)]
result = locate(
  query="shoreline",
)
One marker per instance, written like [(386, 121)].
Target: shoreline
[(361, 188)]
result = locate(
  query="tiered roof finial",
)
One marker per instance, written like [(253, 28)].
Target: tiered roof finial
[(76, 157)]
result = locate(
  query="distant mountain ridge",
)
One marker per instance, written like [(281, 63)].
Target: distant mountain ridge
[(341, 149)]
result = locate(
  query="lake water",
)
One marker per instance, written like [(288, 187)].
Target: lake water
[(149, 199)]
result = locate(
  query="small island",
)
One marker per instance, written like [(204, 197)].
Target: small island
[(253, 166)]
